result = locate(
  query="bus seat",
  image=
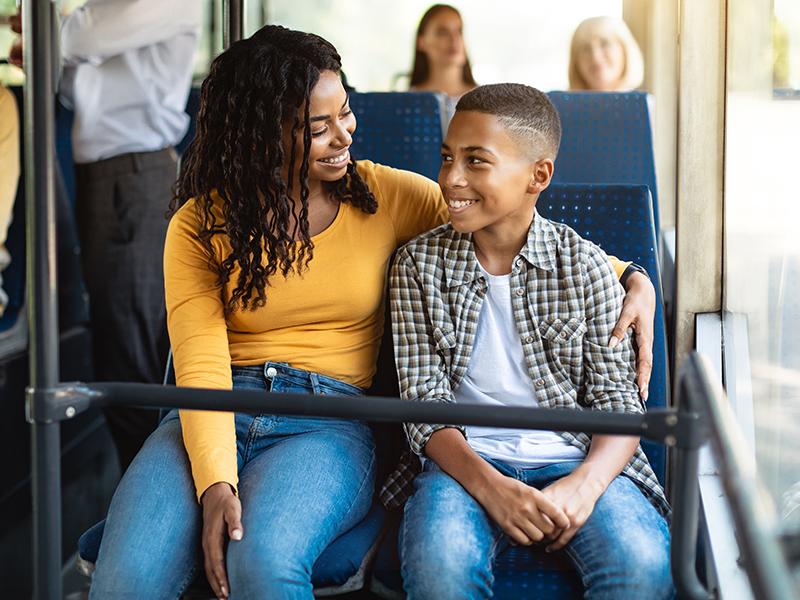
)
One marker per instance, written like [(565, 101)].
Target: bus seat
[(607, 138), (399, 129), (619, 218)]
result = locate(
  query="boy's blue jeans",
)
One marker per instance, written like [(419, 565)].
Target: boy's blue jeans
[(448, 542), (302, 482)]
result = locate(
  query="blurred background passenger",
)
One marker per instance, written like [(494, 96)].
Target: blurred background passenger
[(604, 57), (9, 175), (127, 71), (440, 56)]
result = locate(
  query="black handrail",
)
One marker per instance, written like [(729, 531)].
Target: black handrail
[(686, 503), (39, 28), (672, 427), (753, 512)]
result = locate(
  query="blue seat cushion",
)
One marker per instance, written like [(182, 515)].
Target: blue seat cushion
[(518, 573), (341, 568)]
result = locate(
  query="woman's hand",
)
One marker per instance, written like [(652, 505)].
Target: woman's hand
[(576, 494), (524, 513), (222, 516), (638, 313)]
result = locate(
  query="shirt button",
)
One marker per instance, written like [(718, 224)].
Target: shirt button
[(271, 372), (520, 291), (529, 339), (563, 335), (539, 383)]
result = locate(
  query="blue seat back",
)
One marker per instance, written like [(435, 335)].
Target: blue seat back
[(619, 218), (607, 138), (399, 129)]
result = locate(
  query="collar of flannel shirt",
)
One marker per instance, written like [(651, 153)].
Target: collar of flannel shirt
[(461, 265)]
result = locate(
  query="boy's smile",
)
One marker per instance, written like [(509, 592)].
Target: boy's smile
[(489, 182)]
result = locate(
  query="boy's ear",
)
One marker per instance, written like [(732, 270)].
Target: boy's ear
[(541, 175)]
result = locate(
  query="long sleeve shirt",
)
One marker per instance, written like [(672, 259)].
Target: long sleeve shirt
[(566, 299)]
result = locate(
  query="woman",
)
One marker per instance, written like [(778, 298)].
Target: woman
[(275, 265), (604, 57), (440, 57)]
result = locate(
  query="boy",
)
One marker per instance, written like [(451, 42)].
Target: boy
[(503, 307)]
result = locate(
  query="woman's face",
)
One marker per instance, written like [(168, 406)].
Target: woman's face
[(601, 60), (442, 40), (332, 126)]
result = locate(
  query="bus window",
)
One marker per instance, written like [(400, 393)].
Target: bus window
[(762, 254)]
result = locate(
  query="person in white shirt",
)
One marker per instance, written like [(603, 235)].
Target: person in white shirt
[(127, 70)]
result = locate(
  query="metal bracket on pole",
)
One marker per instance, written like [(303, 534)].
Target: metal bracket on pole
[(59, 403), (676, 428)]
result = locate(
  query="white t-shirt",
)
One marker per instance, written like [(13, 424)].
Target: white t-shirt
[(497, 376)]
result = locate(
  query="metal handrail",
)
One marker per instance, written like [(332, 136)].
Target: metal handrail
[(38, 31), (754, 514), (672, 427)]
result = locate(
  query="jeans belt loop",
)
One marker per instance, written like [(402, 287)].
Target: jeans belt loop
[(315, 387)]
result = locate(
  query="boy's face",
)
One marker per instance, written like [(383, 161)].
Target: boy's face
[(486, 178)]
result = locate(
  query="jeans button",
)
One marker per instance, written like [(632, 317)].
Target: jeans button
[(271, 372)]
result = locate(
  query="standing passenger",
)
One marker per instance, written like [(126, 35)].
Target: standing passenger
[(275, 263), (440, 56), (604, 57), (127, 73), (9, 176)]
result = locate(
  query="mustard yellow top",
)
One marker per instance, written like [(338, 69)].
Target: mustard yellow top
[(328, 320), (9, 158)]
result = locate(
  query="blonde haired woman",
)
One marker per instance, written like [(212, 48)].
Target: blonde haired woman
[(604, 57)]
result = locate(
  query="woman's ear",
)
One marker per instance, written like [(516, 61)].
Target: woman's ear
[(541, 175)]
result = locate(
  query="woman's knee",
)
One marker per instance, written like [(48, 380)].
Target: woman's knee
[(152, 533)]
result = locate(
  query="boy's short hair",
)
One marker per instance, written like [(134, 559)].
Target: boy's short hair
[(526, 112)]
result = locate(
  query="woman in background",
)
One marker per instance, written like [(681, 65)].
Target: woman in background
[(604, 57), (440, 57)]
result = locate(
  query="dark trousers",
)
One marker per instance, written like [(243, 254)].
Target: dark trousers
[(121, 207)]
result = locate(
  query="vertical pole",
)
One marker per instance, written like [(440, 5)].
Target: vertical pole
[(38, 22), (233, 22)]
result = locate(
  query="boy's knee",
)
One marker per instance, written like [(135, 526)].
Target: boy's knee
[(639, 569), (452, 567)]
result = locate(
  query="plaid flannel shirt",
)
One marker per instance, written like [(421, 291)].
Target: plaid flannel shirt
[(566, 300)]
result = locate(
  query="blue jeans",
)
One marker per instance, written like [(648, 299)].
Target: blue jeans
[(448, 542), (302, 482)]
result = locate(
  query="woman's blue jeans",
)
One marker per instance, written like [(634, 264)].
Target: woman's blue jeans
[(302, 482), (448, 543)]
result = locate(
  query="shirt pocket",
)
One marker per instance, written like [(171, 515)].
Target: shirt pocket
[(562, 330), (562, 338)]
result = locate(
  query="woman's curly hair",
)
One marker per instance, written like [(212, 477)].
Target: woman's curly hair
[(253, 90)]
